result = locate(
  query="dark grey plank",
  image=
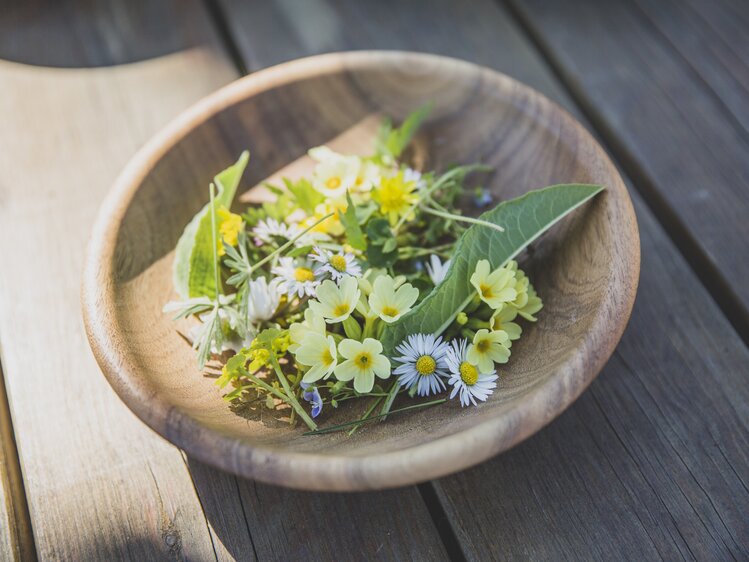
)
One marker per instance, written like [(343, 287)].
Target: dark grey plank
[(652, 461), (682, 142)]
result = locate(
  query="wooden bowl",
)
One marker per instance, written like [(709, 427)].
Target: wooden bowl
[(586, 269)]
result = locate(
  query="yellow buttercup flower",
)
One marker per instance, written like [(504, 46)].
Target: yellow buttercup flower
[(488, 348), (494, 287), (395, 196), (230, 225)]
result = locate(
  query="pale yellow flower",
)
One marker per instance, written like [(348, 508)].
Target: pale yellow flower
[(312, 324), (494, 287), (334, 174), (336, 302), (319, 353), (387, 302), (364, 361), (488, 348), (502, 319)]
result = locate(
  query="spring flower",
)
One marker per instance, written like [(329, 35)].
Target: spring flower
[(502, 319), (465, 377), (494, 287), (334, 173), (295, 280), (411, 175), (335, 303), (262, 299), (436, 269), (319, 353), (312, 324), (363, 361), (337, 265), (395, 196), (532, 306), (488, 348), (271, 231), (312, 395), (422, 363), (521, 285), (388, 303), (229, 228), (367, 177), (330, 227)]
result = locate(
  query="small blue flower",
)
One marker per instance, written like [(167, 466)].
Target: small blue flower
[(313, 397), (481, 197)]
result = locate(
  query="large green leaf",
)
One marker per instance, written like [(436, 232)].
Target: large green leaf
[(524, 219), (193, 260)]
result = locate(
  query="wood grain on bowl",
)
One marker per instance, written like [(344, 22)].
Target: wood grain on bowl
[(585, 269)]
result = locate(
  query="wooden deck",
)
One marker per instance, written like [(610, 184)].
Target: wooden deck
[(660, 467)]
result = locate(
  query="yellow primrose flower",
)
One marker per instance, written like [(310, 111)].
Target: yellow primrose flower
[(502, 319), (336, 302), (388, 303), (494, 287), (488, 348), (363, 361), (334, 173), (331, 226), (319, 353), (521, 285), (230, 225), (312, 324), (367, 177), (532, 306), (395, 196)]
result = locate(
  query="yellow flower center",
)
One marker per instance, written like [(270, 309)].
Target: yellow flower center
[(425, 365), (302, 274), (468, 373), (483, 346), (338, 263), (486, 291), (340, 309), (359, 181), (363, 360), (333, 182), (390, 311), (327, 357)]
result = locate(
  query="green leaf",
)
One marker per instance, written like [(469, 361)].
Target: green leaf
[(193, 261), (306, 196), (379, 258), (524, 220), (398, 139), (350, 223), (378, 231)]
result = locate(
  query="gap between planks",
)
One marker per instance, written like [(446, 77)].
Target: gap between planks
[(16, 506), (717, 285)]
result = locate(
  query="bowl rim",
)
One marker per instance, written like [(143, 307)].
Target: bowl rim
[(331, 472)]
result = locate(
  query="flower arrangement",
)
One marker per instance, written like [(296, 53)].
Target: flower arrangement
[(363, 281)]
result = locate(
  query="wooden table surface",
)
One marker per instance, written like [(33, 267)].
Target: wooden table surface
[(651, 462)]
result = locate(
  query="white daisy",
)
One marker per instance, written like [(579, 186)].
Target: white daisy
[(337, 265), (411, 175), (262, 299), (436, 269), (465, 377), (422, 363), (271, 231), (295, 279)]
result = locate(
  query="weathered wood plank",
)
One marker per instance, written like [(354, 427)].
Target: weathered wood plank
[(687, 150), (652, 461), (100, 484), (16, 538)]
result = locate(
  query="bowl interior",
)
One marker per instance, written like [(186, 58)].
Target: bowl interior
[(477, 116)]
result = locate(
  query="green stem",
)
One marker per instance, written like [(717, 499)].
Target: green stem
[(369, 326), (283, 248), (390, 399), (461, 218), (213, 238), (360, 422), (366, 415), (292, 397)]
